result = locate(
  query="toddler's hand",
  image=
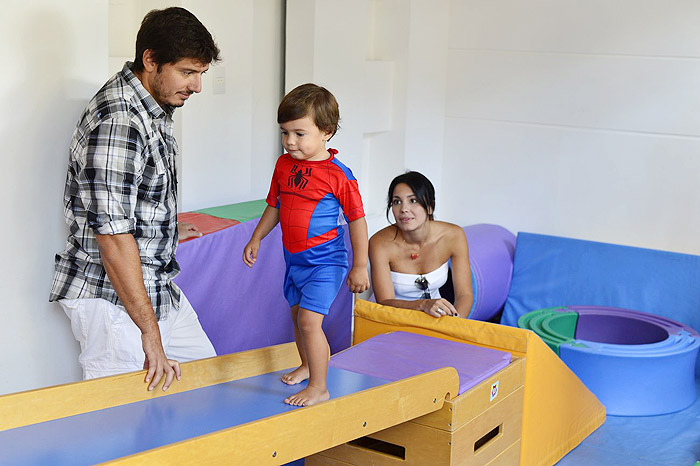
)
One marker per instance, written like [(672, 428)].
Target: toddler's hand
[(250, 252), (358, 279)]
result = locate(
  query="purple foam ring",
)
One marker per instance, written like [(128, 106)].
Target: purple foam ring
[(491, 250), (624, 326), (619, 330)]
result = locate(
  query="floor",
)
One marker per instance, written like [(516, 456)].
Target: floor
[(666, 440)]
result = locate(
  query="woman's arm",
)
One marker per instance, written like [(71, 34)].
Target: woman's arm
[(461, 272), (379, 258)]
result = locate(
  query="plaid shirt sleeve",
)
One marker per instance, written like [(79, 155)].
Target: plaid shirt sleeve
[(110, 179)]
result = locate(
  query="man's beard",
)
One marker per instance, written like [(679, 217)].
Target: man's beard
[(160, 94)]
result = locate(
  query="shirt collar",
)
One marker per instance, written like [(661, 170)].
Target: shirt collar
[(153, 108)]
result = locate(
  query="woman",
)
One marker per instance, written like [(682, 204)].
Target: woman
[(410, 259)]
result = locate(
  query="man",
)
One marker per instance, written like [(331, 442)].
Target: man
[(114, 279)]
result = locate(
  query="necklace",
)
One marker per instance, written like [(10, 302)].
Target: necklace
[(414, 255)]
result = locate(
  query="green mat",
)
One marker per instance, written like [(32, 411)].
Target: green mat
[(554, 328), (241, 211)]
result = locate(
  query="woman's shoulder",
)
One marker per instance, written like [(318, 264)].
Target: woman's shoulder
[(383, 243), (385, 235), (449, 230), (450, 237)]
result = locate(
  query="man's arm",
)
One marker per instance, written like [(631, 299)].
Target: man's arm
[(121, 259)]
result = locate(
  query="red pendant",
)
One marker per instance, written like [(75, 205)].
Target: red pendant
[(414, 256)]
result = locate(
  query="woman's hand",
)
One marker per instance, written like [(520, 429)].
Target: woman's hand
[(438, 307)]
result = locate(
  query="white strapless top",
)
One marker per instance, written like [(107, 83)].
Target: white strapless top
[(405, 286)]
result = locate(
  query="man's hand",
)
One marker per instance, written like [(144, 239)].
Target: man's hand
[(156, 362), (187, 230)]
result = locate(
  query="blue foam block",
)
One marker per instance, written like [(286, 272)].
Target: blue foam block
[(637, 380), (551, 271)]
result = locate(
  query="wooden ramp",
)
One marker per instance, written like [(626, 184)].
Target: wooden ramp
[(226, 410)]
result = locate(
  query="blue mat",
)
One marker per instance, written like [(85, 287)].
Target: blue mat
[(668, 440), (552, 271), (116, 432)]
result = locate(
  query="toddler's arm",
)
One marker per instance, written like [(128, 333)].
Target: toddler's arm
[(358, 279), (269, 219)]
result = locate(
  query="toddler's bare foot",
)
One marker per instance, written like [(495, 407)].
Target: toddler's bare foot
[(308, 396), (298, 375)]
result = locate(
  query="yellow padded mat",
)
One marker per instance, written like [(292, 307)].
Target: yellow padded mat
[(559, 411)]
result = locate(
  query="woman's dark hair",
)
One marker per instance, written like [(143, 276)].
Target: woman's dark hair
[(313, 101), (422, 188), (173, 34)]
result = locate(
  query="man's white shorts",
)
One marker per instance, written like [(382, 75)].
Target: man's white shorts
[(110, 342)]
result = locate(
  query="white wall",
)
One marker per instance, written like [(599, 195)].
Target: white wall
[(58, 56), (578, 119), (570, 118), (385, 62), (230, 141)]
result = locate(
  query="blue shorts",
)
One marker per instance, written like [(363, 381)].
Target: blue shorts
[(313, 287)]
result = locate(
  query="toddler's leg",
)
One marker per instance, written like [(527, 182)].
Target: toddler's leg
[(301, 373), (315, 346)]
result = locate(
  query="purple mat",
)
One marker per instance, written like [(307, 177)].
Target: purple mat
[(397, 355), (242, 308), (491, 250)]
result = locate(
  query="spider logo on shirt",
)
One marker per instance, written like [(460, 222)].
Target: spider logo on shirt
[(298, 178)]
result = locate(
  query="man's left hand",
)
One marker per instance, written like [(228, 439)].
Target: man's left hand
[(187, 230)]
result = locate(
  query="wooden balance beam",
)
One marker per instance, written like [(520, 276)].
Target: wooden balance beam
[(35, 425)]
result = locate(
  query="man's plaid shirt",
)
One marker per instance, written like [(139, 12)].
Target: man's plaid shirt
[(121, 179)]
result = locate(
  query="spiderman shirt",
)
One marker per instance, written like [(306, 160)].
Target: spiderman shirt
[(310, 196)]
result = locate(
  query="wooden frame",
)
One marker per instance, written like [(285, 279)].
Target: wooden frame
[(273, 440), (558, 412), (473, 429), (46, 404)]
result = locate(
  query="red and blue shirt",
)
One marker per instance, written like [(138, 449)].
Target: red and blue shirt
[(310, 196)]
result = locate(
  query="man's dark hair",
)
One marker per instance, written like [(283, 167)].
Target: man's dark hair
[(173, 34), (422, 188)]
